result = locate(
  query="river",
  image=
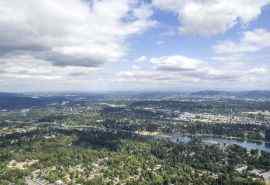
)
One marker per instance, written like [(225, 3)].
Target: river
[(249, 145)]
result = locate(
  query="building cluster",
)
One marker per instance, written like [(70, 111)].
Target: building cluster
[(219, 118)]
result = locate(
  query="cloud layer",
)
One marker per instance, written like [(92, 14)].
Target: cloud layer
[(73, 32), (211, 17), (120, 44), (178, 69), (251, 41)]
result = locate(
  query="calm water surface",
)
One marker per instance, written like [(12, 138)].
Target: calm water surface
[(262, 146)]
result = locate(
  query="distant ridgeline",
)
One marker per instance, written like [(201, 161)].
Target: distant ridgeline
[(10, 101), (239, 94), (17, 101)]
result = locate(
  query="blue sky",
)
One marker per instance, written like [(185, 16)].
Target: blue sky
[(190, 45), (125, 45)]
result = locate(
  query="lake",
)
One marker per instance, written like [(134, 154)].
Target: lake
[(262, 146)]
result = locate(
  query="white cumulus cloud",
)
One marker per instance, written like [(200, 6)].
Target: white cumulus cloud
[(211, 17), (71, 32), (251, 41), (141, 59)]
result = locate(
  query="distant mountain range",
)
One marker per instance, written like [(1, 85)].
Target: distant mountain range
[(11, 101), (239, 94), (18, 101)]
